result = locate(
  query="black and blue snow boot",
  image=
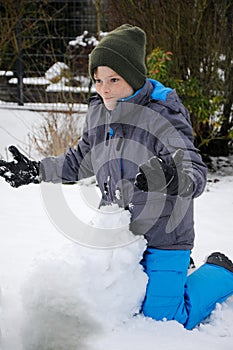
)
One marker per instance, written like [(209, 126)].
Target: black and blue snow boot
[(220, 259)]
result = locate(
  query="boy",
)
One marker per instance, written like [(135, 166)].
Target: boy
[(138, 142)]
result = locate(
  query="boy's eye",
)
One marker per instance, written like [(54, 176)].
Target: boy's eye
[(112, 80)]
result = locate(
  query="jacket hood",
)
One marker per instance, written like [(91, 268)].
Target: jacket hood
[(160, 91), (167, 97)]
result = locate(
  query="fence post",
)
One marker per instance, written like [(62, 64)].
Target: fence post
[(19, 63)]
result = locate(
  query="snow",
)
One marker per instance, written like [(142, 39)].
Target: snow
[(15, 126), (55, 81), (4, 73), (75, 107), (56, 70), (84, 40), (57, 294), (31, 81), (61, 86)]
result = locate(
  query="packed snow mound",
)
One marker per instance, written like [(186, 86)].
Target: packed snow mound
[(118, 217), (85, 223), (110, 227), (80, 292)]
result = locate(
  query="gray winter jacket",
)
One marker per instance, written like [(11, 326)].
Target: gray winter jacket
[(114, 143)]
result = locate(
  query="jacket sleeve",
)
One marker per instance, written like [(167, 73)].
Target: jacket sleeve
[(179, 135), (192, 163), (69, 167)]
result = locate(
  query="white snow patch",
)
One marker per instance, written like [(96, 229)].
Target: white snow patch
[(56, 70)]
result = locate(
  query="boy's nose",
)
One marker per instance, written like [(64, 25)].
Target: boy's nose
[(106, 87)]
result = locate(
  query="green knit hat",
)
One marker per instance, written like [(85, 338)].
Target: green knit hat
[(123, 50)]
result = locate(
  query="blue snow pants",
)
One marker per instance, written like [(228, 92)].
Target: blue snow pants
[(172, 295)]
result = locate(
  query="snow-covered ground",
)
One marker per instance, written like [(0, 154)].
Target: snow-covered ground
[(58, 295)]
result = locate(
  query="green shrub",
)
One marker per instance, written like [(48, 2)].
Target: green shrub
[(205, 110)]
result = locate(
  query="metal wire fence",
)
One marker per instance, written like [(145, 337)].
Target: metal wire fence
[(46, 60)]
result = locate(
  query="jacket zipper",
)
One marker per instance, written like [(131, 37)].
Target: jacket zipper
[(119, 147)]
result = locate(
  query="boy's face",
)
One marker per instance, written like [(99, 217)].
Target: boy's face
[(111, 86)]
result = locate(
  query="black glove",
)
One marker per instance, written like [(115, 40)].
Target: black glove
[(21, 171), (157, 176)]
